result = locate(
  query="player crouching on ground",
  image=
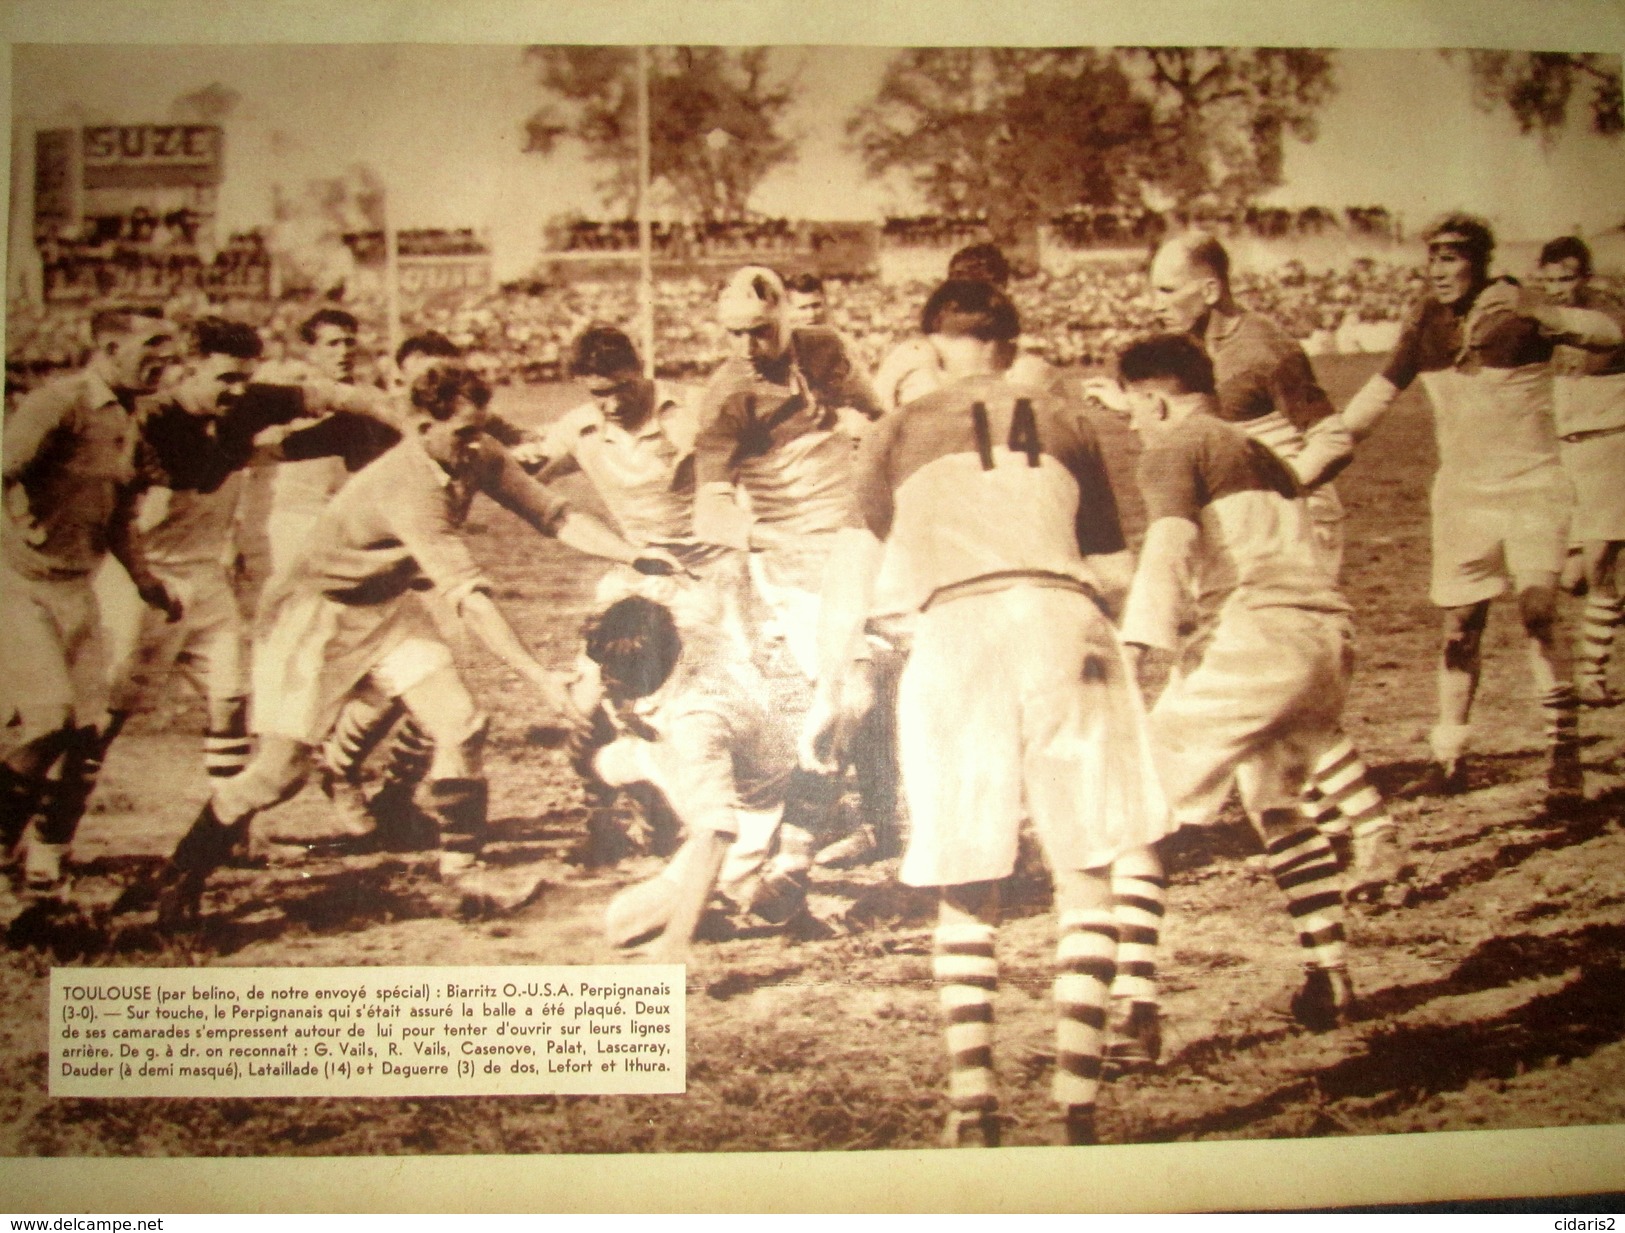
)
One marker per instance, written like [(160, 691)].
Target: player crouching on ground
[(695, 722), (987, 500), (1256, 694), (344, 613)]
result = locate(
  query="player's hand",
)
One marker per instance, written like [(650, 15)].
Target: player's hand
[(659, 562), (818, 747), (529, 454), (156, 595), (1107, 392)]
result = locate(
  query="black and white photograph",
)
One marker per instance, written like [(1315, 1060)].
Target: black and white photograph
[(1075, 589)]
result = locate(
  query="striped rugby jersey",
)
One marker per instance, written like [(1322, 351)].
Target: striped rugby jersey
[(980, 478), (1256, 548)]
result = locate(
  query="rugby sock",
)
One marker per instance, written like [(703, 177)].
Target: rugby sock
[(65, 804), (967, 973), (1305, 869), (1560, 707), (1596, 643), (410, 752), (359, 727), (20, 798), (1137, 908), (1085, 963), (1345, 800), (226, 753)]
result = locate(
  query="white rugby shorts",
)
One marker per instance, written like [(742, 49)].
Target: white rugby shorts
[(1484, 539), (1019, 703)]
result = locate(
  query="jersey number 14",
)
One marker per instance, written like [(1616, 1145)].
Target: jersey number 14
[(1023, 433)]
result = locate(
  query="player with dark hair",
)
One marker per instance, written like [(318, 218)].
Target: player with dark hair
[(1501, 500), (695, 722), (70, 492), (981, 263), (805, 301), (989, 502), (346, 612), (1266, 386), (1589, 401), (1257, 689)]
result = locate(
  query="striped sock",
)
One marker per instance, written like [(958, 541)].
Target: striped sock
[(967, 973), (226, 753), (1085, 962), (1596, 642), (1343, 787), (359, 727), (410, 752), (1560, 707), (1306, 870), (1137, 907)]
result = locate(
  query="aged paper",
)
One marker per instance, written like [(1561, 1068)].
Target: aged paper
[(1272, 1173)]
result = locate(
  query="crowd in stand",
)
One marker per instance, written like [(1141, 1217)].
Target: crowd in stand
[(1081, 317)]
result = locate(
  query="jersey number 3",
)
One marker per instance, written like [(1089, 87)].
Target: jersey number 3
[(1023, 433)]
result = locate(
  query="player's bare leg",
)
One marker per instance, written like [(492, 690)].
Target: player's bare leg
[(1549, 666), (1460, 664), (1139, 888), (1603, 616), (1086, 955), (1305, 868), (967, 975)]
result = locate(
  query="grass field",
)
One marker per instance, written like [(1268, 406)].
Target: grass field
[(1493, 996)]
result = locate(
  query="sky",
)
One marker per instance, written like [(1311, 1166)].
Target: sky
[(444, 126)]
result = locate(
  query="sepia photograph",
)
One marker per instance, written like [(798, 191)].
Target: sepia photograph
[(622, 599)]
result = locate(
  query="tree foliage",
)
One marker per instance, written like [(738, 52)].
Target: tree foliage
[(1540, 87), (1016, 134), (1222, 116), (716, 122)]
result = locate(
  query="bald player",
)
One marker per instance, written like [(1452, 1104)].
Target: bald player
[(1501, 500), (1266, 387)]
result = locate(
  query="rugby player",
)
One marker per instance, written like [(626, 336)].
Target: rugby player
[(70, 496), (345, 612), (1017, 701), (1589, 399), (1267, 388), (1257, 689), (695, 722), (805, 302), (1501, 501)]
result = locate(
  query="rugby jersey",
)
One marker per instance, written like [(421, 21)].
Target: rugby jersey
[(69, 455), (983, 478), (1589, 385), (1492, 401), (393, 527), (644, 476), (1255, 547), (775, 433)]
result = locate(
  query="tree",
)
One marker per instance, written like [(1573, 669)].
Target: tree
[(1539, 86), (1222, 116), (1018, 135), (716, 117)]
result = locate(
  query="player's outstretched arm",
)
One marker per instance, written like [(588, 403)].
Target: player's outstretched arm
[(587, 534), (485, 620), (854, 564), (697, 866), (124, 542), (1328, 447), (1368, 406), (1161, 584)]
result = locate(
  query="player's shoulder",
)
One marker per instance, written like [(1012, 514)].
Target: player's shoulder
[(576, 422), (63, 394)]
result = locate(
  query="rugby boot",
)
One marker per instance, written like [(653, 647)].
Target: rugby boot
[(1326, 1000), (1079, 1125), (399, 825), (19, 801), (1134, 1040), (42, 867), (972, 1128), (780, 897), (860, 847), (1376, 862), (202, 850)]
